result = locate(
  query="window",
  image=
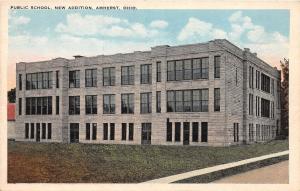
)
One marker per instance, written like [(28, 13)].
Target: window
[(26, 130), (131, 131), (108, 104), (39, 105), (257, 132), (127, 103), (127, 75), (112, 131), (49, 130), (272, 86), (265, 83), (257, 108), (91, 78), (91, 104), (187, 69), (217, 99), (57, 105), (57, 79), (187, 100), (124, 131), (250, 104), (20, 106), (236, 132), (31, 130), (236, 76), (105, 131), (158, 102), (251, 132), (50, 105), (87, 131), (146, 74), (195, 126), (94, 132), (265, 108), (217, 60), (171, 70), (257, 84), (74, 105), (34, 81), (109, 76), (169, 131), (43, 130), (158, 71), (20, 81), (41, 80), (204, 130), (146, 102), (177, 131), (74, 79), (250, 77), (204, 68)]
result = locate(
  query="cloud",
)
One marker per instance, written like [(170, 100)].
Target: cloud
[(198, 29), (93, 25), (160, 24)]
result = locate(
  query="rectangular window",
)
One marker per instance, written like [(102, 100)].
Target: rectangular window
[(146, 102), (187, 101), (187, 69), (112, 131), (91, 78), (34, 81), (169, 131), (108, 104), (158, 102), (57, 105), (20, 106), (195, 126), (250, 77), (109, 77), (28, 106), (131, 131), (26, 130), (74, 79), (49, 130), (204, 131), (158, 71), (94, 132), (217, 99), (124, 128), (49, 105), (257, 132), (265, 108), (43, 130), (20, 81), (265, 83), (146, 74), (236, 132), (41, 80), (127, 75), (257, 84), (178, 70), (250, 104), (31, 130), (127, 103), (90, 104), (28, 81), (57, 79), (33, 105), (39, 105), (105, 131), (171, 70), (217, 60), (74, 105), (177, 131), (250, 132), (272, 86), (87, 131)]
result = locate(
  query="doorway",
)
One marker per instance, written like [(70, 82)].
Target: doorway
[(74, 132), (146, 133), (186, 133)]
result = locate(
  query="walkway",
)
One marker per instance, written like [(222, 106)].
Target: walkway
[(174, 178)]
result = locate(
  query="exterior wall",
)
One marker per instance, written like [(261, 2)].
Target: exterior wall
[(11, 126), (233, 103)]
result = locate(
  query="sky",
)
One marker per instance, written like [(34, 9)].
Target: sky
[(36, 35)]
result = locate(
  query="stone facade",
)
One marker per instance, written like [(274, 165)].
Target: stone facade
[(234, 97)]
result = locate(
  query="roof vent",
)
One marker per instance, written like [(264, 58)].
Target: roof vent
[(77, 56)]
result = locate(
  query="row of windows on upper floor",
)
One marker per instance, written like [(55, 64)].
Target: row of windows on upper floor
[(187, 69)]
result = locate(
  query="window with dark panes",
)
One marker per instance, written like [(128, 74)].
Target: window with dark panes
[(146, 102), (57, 105), (265, 83), (26, 130), (178, 70), (127, 103), (91, 78), (91, 104), (49, 105), (44, 105), (187, 100), (127, 75), (94, 131), (187, 69), (20, 106), (105, 131), (49, 130), (39, 105), (171, 70), (169, 131), (158, 102), (33, 106), (217, 60), (74, 105), (170, 101), (57, 79), (146, 74), (204, 68), (217, 99), (112, 131), (74, 79), (236, 132), (28, 81), (34, 81), (31, 130), (130, 131), (28, 106), (196, 68), (124, 128), (20, 81), (158, 71), (87, 131), (195, 132), (108, 104), (204, 131), (179, 101), (204, 100), (265, 108), (43, 130), (40, 80), (177, 131), (109, 76), (250, 104)]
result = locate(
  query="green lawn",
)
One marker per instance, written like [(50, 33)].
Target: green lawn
[(98, 163)]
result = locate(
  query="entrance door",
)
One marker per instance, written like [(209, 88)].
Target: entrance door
[(146, 133), (37, 137), (74, 132), (186, 133)]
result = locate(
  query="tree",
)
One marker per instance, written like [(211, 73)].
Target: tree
[(11, 96), (284, 97)]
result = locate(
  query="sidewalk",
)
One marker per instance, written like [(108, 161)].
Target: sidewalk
[(199, 172)]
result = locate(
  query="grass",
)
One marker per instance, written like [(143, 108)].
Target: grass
[(99, 163)]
